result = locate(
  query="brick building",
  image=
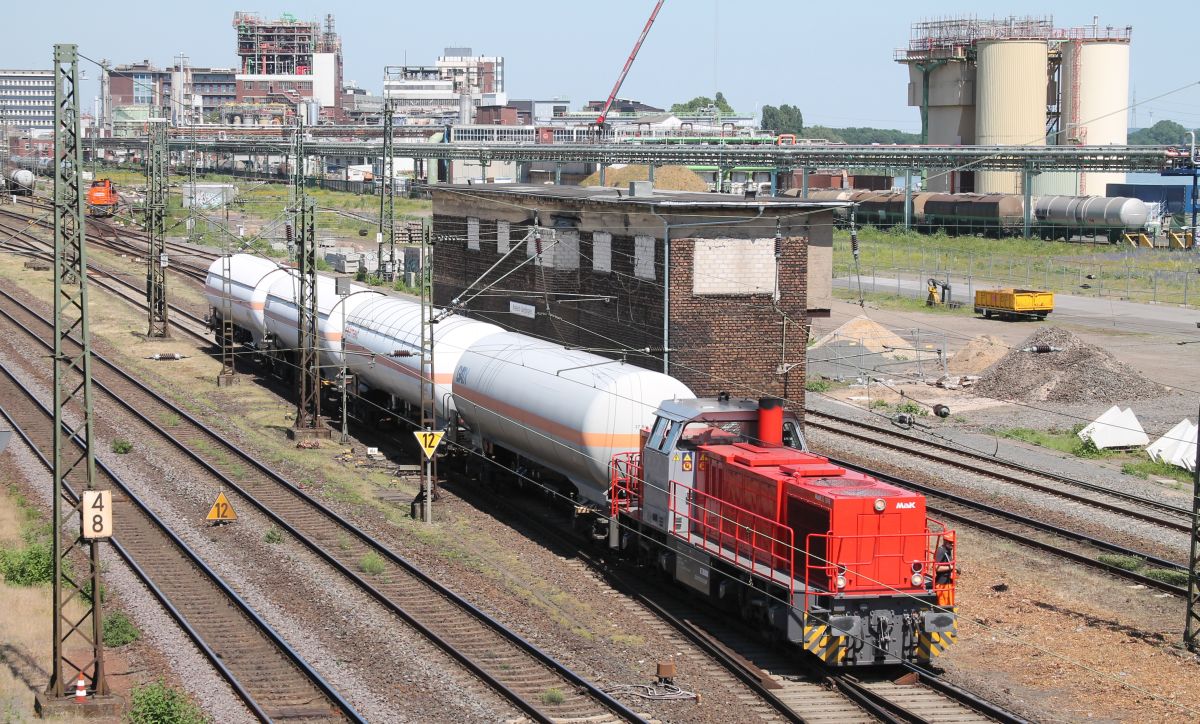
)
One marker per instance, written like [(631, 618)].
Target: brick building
[(736, 299)]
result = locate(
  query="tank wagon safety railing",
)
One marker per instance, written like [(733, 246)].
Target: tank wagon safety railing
[(843, 558), (625, 471), (1085, 158), (736, 535)]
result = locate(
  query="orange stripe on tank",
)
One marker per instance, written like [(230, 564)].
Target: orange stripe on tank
[(624, 441)]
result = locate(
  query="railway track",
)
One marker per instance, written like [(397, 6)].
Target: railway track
[(1158, 512), (271, 679), (785, 685), (498, 656), (1049, 537)]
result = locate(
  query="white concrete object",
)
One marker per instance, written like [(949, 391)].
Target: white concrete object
[(1010, 98), (1177, 447), (568, 410), (1115, 428)]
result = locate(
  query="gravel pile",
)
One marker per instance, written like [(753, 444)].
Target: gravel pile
[(1080, 372), (670, 178)]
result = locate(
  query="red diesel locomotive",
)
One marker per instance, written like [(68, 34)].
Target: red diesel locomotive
[(724, 499)]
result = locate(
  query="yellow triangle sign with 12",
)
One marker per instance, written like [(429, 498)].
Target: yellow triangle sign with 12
[(221, 510), (429, 441)]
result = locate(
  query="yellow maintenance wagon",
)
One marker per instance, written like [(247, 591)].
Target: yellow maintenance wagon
[(1014, 303)]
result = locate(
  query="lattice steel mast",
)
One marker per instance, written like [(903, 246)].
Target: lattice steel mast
[(428, 385), (156, 229), (73, 455), (387, 201), (308, 375)]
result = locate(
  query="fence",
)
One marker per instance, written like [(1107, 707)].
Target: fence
[(1153, 276)]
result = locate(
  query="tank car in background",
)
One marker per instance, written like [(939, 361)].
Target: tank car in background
[(717, 494), (21, 182), (995, 215)]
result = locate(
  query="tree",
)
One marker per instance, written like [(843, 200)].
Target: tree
[(1163, 133), (700, 104), (784, 119)]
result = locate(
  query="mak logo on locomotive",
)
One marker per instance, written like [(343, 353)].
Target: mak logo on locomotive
[(910, 505)]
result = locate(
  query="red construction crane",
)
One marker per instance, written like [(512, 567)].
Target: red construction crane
[(625, 71)]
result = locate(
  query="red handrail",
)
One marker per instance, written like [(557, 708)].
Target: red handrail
[(625, 474), (835, 561), (742, 537)]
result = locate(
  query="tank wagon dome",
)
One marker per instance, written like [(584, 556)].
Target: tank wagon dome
[(566, 409), (250, 279)]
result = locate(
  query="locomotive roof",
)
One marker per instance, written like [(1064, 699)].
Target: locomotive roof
[(805, 471), (701, 406)]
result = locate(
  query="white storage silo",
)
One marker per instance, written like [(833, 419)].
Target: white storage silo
[(1095, 101), (951, 111), (1010, 103)]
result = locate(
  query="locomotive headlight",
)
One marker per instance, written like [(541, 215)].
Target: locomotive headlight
[(880, 505), (917, 579), (841, 581)]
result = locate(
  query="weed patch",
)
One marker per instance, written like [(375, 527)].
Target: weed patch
[(157, 703), (553, 696), (273, 535), (372, 564), (121, 446), (119, 630), (1125, 563)]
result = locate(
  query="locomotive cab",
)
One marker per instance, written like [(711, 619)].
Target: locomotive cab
[(730, 504)]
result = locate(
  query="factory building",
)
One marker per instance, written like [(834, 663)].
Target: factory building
[(447, 92), (588, 268), (290, 63), (1019, 81), (26, 100)]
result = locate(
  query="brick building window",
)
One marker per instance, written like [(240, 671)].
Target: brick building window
[(602, 252), (472, 233), (643, 257), (502, 237)]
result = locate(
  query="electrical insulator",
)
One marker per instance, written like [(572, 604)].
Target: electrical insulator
[(853, 236), (289, 233)]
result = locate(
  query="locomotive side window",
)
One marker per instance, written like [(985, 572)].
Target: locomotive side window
[(715, 433), (658, 432), (791, 435)]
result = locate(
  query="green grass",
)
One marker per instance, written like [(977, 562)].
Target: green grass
[(273, 535), (817, 385), (30, 565), (1066, 441), (119, 630), (121, 446), (553, 696), (900, 303), (1146, 468), (157, 703), (372, 564), (1172, 576), (1126, 563)]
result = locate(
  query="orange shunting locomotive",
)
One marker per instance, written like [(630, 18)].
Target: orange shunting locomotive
[(847, 567), (102, 198)]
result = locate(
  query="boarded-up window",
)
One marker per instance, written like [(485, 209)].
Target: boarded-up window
[(602, 252), (733, 266), (473, 233), (643, 257), (502, 232), (566, 251)]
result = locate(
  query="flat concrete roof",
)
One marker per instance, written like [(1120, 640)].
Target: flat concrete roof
[(660, 197)]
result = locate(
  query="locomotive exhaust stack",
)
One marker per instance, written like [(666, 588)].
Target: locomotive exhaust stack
[(770, 421)]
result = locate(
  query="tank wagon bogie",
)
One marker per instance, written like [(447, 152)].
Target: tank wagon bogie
[(717, 494)]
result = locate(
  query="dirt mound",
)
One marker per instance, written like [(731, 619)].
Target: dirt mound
[(979, 354), (668, 178), (1080, 372), (871, 335)]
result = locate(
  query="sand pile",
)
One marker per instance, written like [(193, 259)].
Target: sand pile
[(668, 178), (979, 354), (1081, 372), (871, 335)]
